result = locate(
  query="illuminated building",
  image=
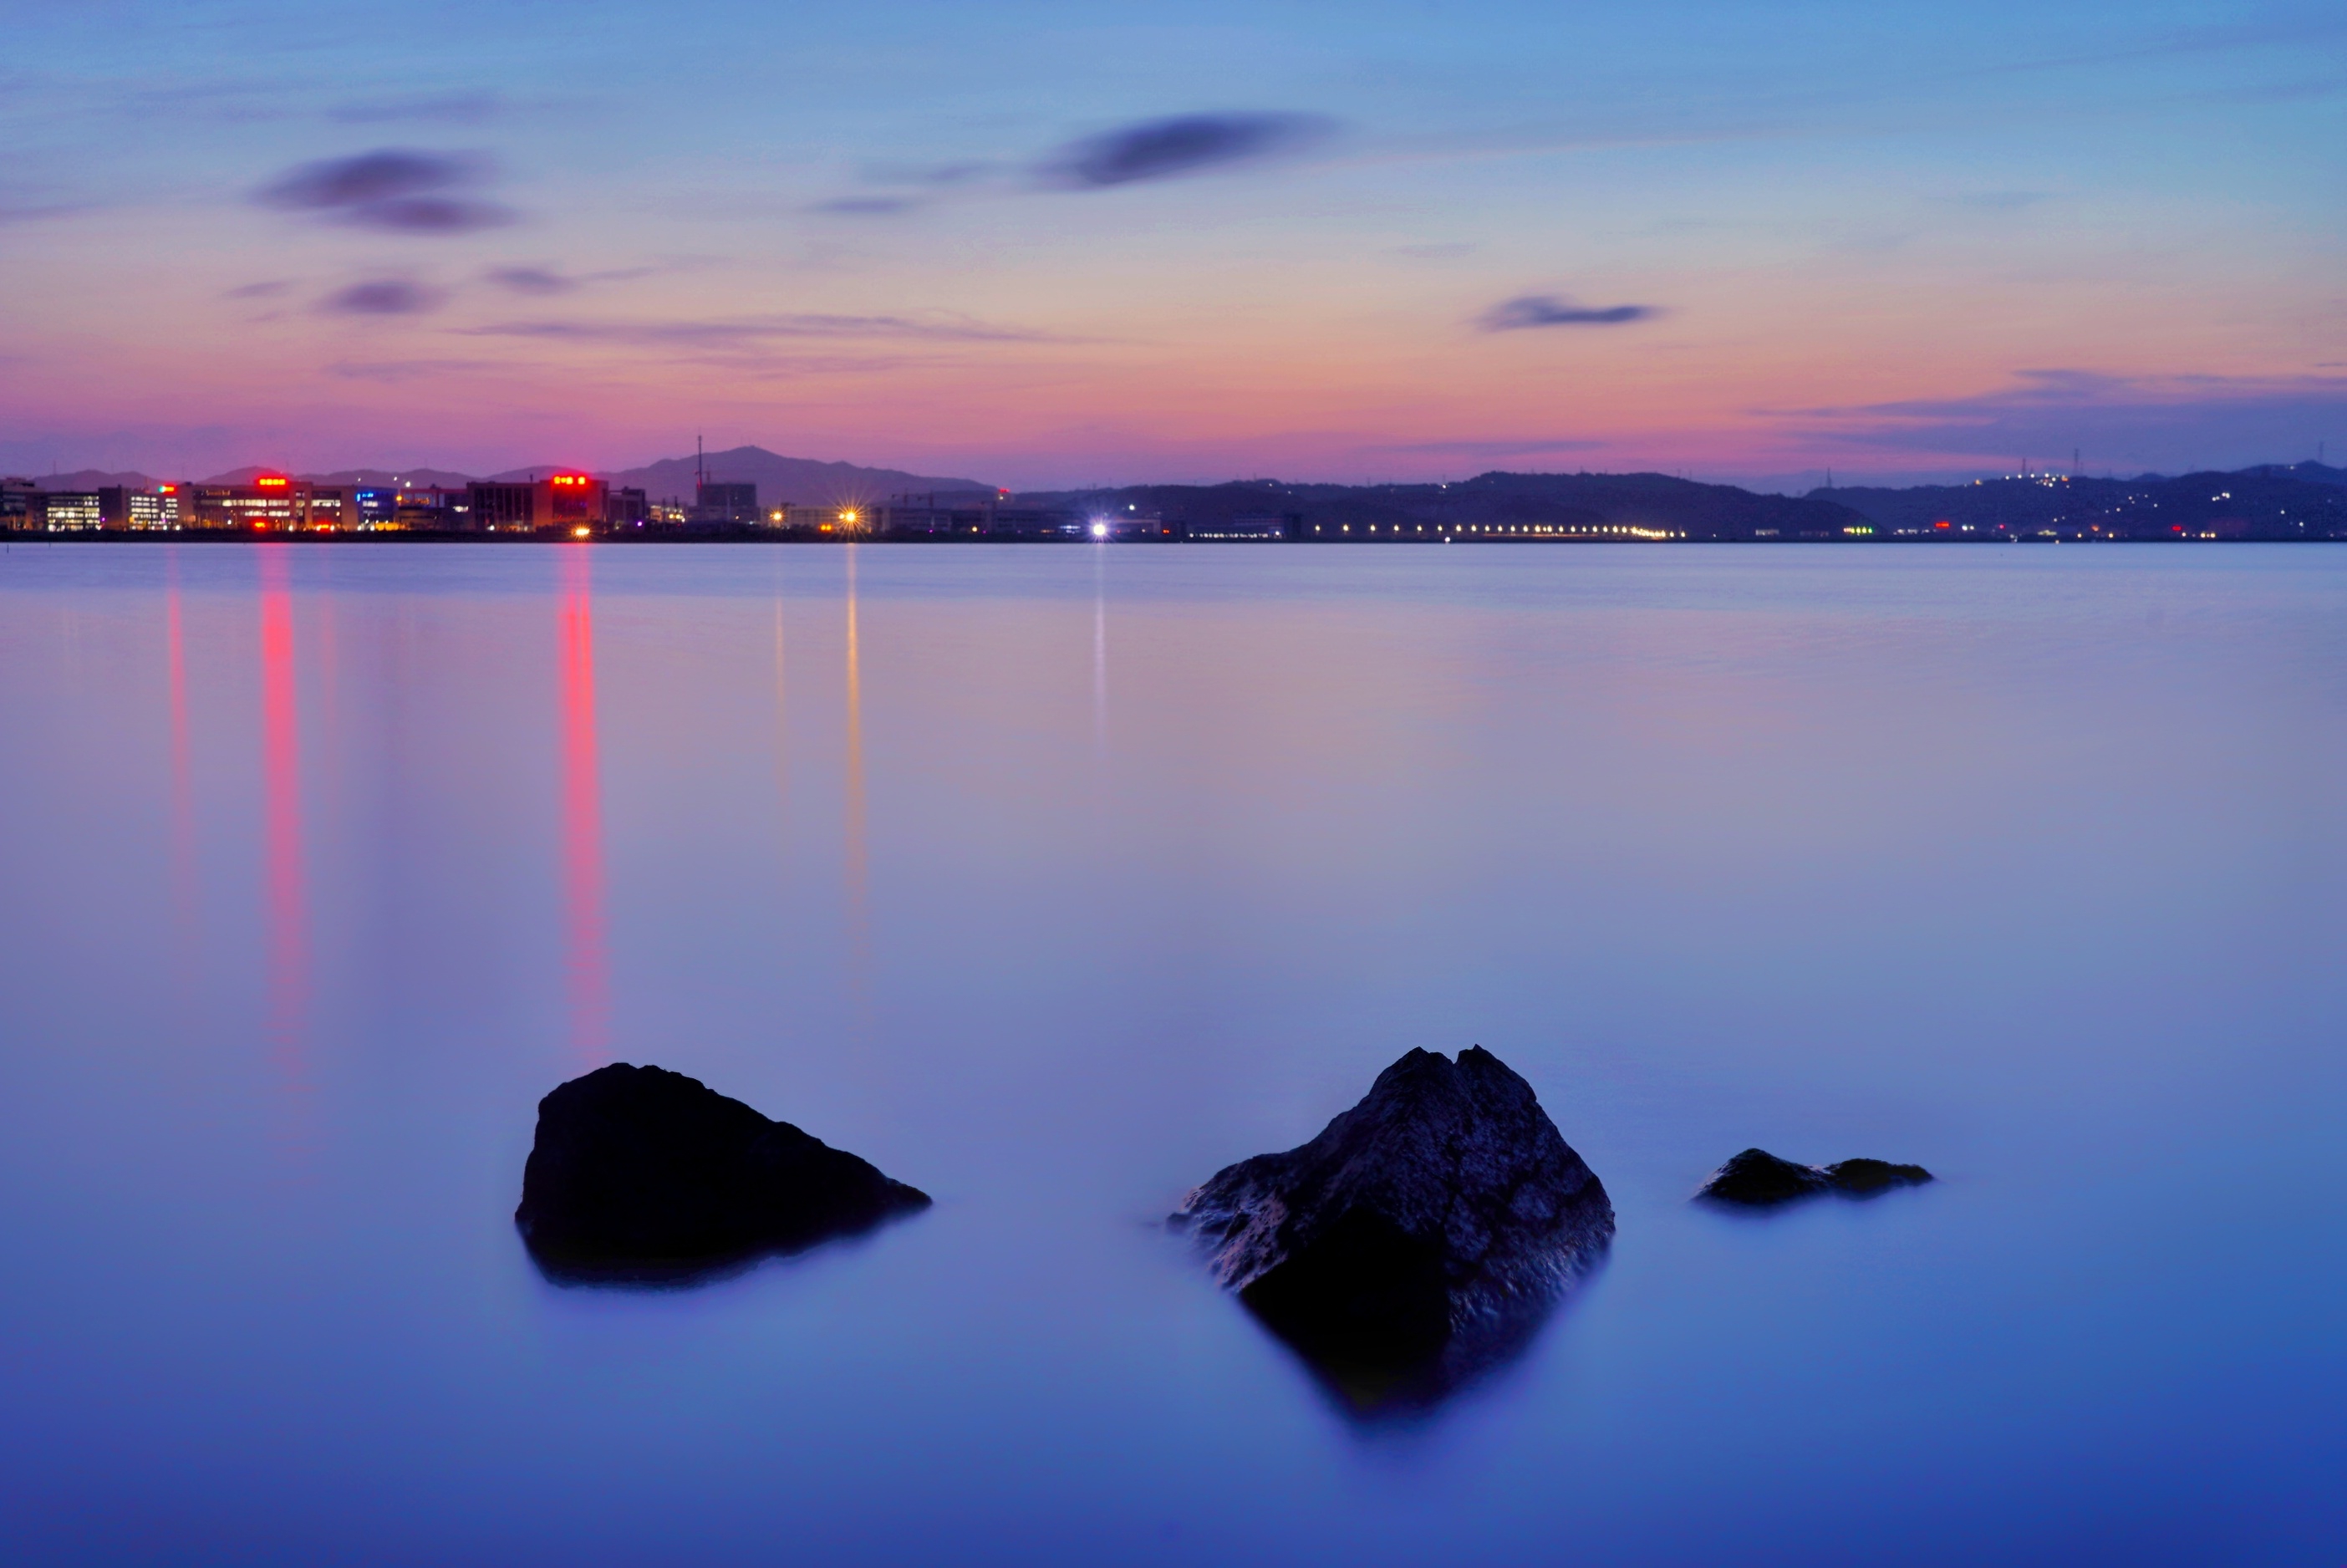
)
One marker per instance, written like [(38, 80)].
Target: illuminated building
[(71, 511), (127, 507), (430, 509), (832, 519), (374, 508), (565, 501), (982, 516), (272, 503)]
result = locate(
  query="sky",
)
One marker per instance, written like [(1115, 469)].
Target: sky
[(1043, 244)]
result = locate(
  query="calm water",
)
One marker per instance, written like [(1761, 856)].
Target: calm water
[(1051, 880)]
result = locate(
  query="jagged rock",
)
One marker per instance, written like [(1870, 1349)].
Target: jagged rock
[(1757, 1178), (1432, 1225), (640, 1172)]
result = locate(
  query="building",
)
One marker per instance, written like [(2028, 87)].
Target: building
[(272, 503), (129, 506), (498, 505), (374, 508), (843, 520), (1131, 523), (569, 502), (71, 511), (16, 503), (428, 508), (950, 517), (718, 505), (24, 506), (626, 509)]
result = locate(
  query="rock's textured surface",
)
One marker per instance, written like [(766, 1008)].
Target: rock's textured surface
[(638, 1171), (1439, 1217), (1757, 1178)]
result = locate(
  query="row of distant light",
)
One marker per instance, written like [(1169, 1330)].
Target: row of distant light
[(1631, 529)]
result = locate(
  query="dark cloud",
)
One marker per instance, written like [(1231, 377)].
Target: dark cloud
[(382, 297), (432, 215), (540, 280), (379, 175), (1185, 144), (398, 189), (1556, 311)]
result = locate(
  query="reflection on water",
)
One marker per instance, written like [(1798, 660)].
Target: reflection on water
[(582, 817), (782, 724), (286, 878), (855, 854), (1100, 653), (1385, 1395), (2026, 866), (186, 928)]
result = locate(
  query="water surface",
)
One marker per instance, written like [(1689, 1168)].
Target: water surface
[(1051, 880)]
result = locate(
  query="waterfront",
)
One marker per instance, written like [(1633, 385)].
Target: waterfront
[(1052, 881)]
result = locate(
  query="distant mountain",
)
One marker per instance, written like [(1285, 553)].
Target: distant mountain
[(1495, 500), (86, 479), (442, 476), (2308, 473), (800, 481), (446, 478), (2263, 503)]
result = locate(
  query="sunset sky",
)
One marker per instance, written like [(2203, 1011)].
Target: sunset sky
[(1039, 244)]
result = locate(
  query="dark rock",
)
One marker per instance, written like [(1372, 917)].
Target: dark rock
[(1424, 1232), (1864, 1178), (642, 1173), (1757, 1178)]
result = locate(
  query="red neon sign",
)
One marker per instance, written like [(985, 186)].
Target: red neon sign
[(568, 479), (272, 481)]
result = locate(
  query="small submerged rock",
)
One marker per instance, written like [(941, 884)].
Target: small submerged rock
[(639, 1172), (1420, 1236), (1757, 1178)]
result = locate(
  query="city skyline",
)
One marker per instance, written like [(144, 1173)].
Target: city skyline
[(1052, 248)]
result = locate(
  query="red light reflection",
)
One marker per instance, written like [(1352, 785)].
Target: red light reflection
[(281, 771), (183, 806), (582, 819)]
